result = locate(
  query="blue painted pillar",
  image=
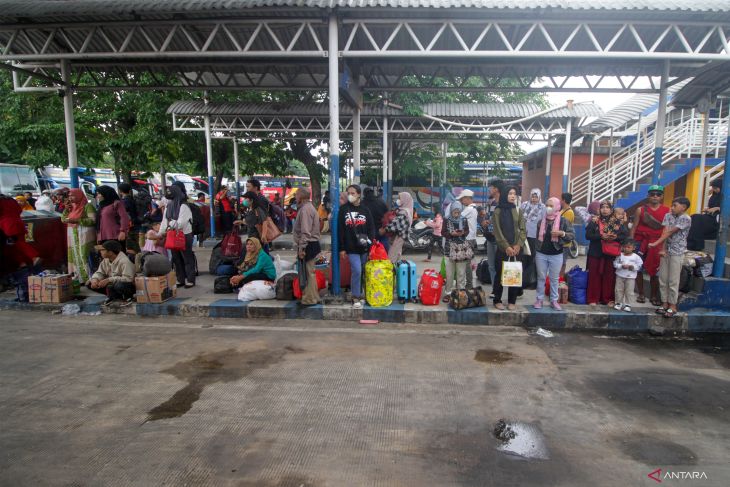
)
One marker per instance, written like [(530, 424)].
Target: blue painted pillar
[(723, 234), (660, 124), (386, 190), (548, 164), (334, 176)]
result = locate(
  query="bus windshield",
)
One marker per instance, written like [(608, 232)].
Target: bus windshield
[(16, 179)]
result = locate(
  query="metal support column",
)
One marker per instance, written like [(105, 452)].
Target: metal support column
[(566, 155), (211, 177), (334, 187), (660, 124), (236, 172), (442, 193), (723, 234), (356, 145), (548, 164), (386, 191), (636, 170), (68, 116), (703, 158), (390, 174)]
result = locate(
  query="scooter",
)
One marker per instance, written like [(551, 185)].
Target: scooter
[(419, 237)]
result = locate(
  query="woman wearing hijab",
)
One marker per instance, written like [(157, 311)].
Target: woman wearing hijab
[(112, 220), (23, 203), (534, 212), (510, 234), (601, 273), (178, 217), (400, 226), (256, 265), (80, 219), (458, 251), (553, 232), (356, 232)]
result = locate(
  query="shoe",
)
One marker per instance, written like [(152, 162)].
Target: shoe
[(188, 285), (627, 308), (499, 306), (537, 305), (618, 307), (357, 304), (107, 302), (556, 306), (511, 307), (127, 302)]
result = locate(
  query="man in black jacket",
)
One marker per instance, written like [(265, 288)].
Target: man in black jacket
[(378, 209)]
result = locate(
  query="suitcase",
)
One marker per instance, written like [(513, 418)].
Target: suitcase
[(430, 287), (345, 273), (406, 281), (379, 277), (483, 272)]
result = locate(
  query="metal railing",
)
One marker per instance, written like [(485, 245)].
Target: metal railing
[(628, 166)]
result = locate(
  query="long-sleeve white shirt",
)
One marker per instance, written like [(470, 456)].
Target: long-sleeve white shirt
[(184, 221), (471, 214), (632, 260)]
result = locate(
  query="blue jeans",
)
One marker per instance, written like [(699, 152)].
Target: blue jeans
[(548, 265), (357, 265)]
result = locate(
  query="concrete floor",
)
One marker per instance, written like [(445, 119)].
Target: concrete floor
[(121, 400)]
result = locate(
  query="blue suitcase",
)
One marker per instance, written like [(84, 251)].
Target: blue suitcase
[(406, 282)]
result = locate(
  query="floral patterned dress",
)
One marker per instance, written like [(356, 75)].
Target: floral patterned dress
[(80, 239)]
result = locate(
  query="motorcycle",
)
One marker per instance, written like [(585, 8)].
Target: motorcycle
[(419, 237)]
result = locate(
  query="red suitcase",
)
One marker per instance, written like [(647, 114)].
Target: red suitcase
[(345, 273)]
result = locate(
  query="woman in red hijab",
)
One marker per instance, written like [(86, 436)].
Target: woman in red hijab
[(80, 219), (17, 257)]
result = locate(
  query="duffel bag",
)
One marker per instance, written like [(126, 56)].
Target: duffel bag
[(222, 285), (467, 298)]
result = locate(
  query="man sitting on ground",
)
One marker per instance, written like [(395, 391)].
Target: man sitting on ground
[(115, 276)]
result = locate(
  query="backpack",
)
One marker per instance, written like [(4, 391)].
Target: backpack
[(198, 220), (216, 259), (276, 213), (285, 287), (222, 285), (142, 205)]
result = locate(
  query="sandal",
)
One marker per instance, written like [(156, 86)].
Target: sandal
[(642, 299), (669, 313), (499, 306), (446, 299), (660, 311), (611, 304), (511, 307)]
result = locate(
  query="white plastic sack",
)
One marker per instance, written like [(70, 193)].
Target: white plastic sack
[(282, 266), (255, 290)]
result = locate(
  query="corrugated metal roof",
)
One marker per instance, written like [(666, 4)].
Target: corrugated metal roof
[(115, 7), (713, 82), (497, 111)]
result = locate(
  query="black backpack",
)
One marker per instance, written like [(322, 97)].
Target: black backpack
[(222, 285), (216, 259), (198, 220), (142, 205), (483, 274)]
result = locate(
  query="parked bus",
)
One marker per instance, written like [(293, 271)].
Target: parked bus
[(16, 180)]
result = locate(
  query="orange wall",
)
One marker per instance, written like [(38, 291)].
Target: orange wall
[(536, 178)]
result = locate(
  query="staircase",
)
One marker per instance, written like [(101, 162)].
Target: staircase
[(625, 176)]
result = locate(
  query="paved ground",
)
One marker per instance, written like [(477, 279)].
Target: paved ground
[(122, 400)]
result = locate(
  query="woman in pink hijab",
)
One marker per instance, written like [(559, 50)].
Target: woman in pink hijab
[(553, 233), (80, 219)]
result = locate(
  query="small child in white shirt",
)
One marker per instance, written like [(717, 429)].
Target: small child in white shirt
[(627, 266)]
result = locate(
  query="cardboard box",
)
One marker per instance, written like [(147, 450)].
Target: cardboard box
[(57, 288), (155, 289)]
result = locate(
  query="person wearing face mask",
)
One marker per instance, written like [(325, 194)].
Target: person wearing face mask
[(510, 234), (179, 217), (400, 226), (553, 232), (356, 232), (253, 215)]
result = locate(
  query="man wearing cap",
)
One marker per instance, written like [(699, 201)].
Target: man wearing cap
[(471, 214), (647, 229), (115, 276)]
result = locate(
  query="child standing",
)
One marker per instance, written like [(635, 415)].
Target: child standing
[(627, 266), (154, 241), (674, 244)]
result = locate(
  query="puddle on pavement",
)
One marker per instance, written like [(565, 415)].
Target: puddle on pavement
[(493, 356), (653, 451), (522, 440), (209, 368)]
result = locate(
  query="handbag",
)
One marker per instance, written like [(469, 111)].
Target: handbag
[(511, 273), (611, 249), (175, 240), (269, 231), (232, 245), (460, 251)]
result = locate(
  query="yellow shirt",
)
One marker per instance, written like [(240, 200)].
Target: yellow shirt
[(570, 216)]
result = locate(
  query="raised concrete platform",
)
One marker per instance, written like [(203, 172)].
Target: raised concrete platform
[(573, 317)]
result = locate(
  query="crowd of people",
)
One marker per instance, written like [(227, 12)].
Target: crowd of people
[(107, 237)]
